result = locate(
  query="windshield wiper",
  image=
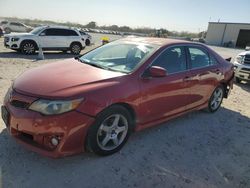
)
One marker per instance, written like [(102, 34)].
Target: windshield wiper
[(99, 66), (92, 64)]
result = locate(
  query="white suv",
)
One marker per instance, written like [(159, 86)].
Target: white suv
[(15, 27), (242, 66), (49, 38)]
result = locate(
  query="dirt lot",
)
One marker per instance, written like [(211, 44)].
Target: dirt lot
[(196, 150)]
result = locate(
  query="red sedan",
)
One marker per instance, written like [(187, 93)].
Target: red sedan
[(95, 101)]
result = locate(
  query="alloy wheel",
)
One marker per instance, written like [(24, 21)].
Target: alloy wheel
[(216, 98), (28, 48), (112, 132)]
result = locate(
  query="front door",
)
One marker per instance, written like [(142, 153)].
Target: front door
[(165, 96)]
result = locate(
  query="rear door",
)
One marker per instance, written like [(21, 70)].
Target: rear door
[(165, 96), (203, 76)]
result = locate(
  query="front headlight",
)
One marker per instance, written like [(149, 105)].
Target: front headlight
[(240, 59), (49, 107), (14, 39)]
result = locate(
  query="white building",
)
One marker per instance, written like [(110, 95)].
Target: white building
[(232, 34)]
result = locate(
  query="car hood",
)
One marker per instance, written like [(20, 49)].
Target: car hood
[(19, 35), (244, 53), (64, 79)]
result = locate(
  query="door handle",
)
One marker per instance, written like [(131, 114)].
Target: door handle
[(187, 78)]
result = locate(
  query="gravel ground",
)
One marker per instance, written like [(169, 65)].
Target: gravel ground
[(195, 150)]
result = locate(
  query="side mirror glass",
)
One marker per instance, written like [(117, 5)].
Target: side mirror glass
[(155, 72)]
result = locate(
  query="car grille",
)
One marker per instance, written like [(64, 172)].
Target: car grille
[(247, 59), (19, 104), (6, 39)]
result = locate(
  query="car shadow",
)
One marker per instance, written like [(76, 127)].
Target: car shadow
[(47, 55), (195, 150), (244, 85)]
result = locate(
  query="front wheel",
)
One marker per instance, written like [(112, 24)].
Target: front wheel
[(216, 99), (110, 131), (75, 48), (28, 48)]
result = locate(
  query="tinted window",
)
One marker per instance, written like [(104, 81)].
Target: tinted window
[(198, 57), (15, 24), (50, 32), (4, 22), (60, 32), (70, 33), (172, 59)]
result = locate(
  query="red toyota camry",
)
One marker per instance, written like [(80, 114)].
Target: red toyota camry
[(97, 100)]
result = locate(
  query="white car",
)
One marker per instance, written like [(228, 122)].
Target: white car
[(242, 66), (49, 38), (15, 27), (87, 37)]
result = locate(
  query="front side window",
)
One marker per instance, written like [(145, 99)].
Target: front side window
[(198, 58), (172, 59), (117, 56)]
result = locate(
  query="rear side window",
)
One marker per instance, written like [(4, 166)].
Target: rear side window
[(213, 60), (172, 59), (198, 58), (70, 33), (4, 22)]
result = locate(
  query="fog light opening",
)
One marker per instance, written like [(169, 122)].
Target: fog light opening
[(54, 141)]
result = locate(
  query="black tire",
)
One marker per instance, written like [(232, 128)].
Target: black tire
[(7, 30), (212, 107), (97, 135), (28, 47), (237, 80), (75, 48), (87, 42)]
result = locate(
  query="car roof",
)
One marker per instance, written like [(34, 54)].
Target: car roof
[(58, 27), (155, 41)]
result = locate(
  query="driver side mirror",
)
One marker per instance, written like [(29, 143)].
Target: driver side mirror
[(42, 34), (155, 72)]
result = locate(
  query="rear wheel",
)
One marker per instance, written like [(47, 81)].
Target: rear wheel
[(110, 131), (75, 48), (216, 99), (87, 42), (28, 47)]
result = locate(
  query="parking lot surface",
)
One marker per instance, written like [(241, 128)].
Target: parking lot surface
[(195, 150)]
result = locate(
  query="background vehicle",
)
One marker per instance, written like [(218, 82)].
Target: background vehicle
[(1, 31), (15, 27), (49, 37), (87, 37), (95, 101), (242, 67)]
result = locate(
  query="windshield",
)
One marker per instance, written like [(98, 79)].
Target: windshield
[(117, 56), (36, 30)]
